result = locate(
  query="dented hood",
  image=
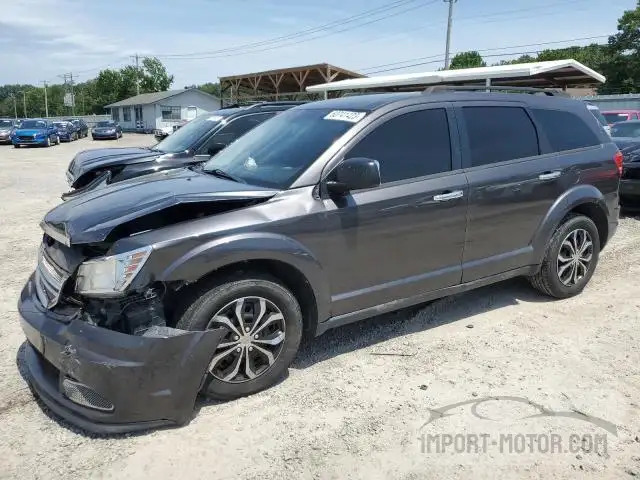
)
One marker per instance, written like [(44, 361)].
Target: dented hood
[(90, 217)]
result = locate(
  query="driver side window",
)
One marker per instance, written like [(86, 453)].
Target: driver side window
[(408, 146), (234, 130)]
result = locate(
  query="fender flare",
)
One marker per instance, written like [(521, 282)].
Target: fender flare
[(221, 252), (578, 195)]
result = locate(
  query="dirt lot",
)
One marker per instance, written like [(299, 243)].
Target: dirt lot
[(347, 410)]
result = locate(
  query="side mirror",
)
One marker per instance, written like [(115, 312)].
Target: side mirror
[(354, 174), (215, 148)]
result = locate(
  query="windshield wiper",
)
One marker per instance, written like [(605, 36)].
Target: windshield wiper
[(222, 174)]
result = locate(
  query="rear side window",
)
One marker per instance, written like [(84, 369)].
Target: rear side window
[(499, 134), (408, 146), (565, 130)]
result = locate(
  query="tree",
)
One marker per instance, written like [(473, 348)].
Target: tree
[(622, 67), (211, 89), (154, 76), (471, 59)]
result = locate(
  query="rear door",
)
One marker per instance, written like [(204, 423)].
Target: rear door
[(514, 179)]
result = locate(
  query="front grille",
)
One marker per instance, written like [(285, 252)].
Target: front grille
[(25, 138), (49, 281), (85, 396)]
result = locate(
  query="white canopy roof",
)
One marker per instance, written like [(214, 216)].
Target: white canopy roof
[(556, 73)]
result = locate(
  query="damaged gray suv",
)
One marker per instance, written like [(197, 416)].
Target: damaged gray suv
[(156, 288)]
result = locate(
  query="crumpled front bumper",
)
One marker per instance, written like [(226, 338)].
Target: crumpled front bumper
[(126, 382)]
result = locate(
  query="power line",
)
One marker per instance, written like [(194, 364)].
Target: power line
[(327, 26), (298, 42), (485, 50)]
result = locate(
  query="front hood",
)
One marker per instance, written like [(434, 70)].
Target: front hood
[(625, 142), (29, 132), (89, 218), (89, 160)]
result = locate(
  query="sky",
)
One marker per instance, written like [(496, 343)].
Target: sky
[(200, 40)]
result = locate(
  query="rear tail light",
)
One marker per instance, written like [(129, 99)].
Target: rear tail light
[(618, 158)]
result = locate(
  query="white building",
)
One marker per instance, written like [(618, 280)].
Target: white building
[(151, 111)]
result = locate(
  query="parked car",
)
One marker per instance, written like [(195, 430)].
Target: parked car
[(627, 136), (35, 132), (67, 131), (81, 126), (106, 130), (7, 127), (595, 111), (193, 144), (615, 116), (329, 213)]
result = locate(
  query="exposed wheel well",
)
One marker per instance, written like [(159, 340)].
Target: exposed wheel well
[(288, 275), (595, 213)]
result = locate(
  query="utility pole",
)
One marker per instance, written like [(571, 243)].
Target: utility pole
[(68, 84), (449, 23), (24, 103), (46, 101), (15, 106), (137, 59), (73, 98)]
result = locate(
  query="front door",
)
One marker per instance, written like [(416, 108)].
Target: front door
[(406, 237)]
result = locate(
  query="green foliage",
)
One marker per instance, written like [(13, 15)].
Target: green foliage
[(470, 59), (108, 87)]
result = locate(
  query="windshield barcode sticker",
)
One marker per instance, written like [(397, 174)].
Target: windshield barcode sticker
[(345, 116)]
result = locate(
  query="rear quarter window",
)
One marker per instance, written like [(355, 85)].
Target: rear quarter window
[(565, 130)]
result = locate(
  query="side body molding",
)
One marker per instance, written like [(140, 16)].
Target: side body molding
[(218, 253)]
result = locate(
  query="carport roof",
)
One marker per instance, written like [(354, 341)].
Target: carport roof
[(556, 73)]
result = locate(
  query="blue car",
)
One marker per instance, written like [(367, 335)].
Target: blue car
[(67, 131), (35, 132)]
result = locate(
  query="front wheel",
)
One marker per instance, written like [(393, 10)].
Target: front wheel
[(263, 328), (570, 260), (47, 143)]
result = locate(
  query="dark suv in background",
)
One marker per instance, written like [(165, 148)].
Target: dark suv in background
[(153, 289), (192, 144), (80, 125)]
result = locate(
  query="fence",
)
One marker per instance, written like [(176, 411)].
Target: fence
[(629, 101), (91, 120)]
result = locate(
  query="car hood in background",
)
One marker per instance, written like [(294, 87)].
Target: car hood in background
[(29, 132), (89, 160), (89, 218), (103, 129), (624, 143)]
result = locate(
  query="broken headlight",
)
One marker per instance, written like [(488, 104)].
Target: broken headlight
[(109, 276)]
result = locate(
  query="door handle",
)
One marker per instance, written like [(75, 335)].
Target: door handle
[(444, 197), (549, 175)]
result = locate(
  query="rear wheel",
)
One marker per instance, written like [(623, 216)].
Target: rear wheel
[(570, 260), (47, 143), (263, 327)]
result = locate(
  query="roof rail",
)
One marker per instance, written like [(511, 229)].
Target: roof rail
[(532, 90), (278, 102)]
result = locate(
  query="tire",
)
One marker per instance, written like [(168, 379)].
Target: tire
[(58, 141), (48, 142), (198, 310), (548, 280), (16, 146)]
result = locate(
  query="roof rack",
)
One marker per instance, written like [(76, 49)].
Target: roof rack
[(531, 90)]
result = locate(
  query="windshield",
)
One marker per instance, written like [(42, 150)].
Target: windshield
[(34, 124), (616, 117), (105, 124), (276, 152), (6, 123), (61, 125), (626, 129), (184, 138)]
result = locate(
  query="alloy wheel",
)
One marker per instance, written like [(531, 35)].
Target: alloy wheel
[(574, 257), (255, 337)]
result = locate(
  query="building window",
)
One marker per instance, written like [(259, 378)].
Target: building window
[(115, 114), (170, 113), (126, 114)]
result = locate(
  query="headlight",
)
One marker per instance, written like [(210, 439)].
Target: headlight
[(109, 276)]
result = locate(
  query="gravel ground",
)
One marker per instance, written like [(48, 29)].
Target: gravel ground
[(356, 401)]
